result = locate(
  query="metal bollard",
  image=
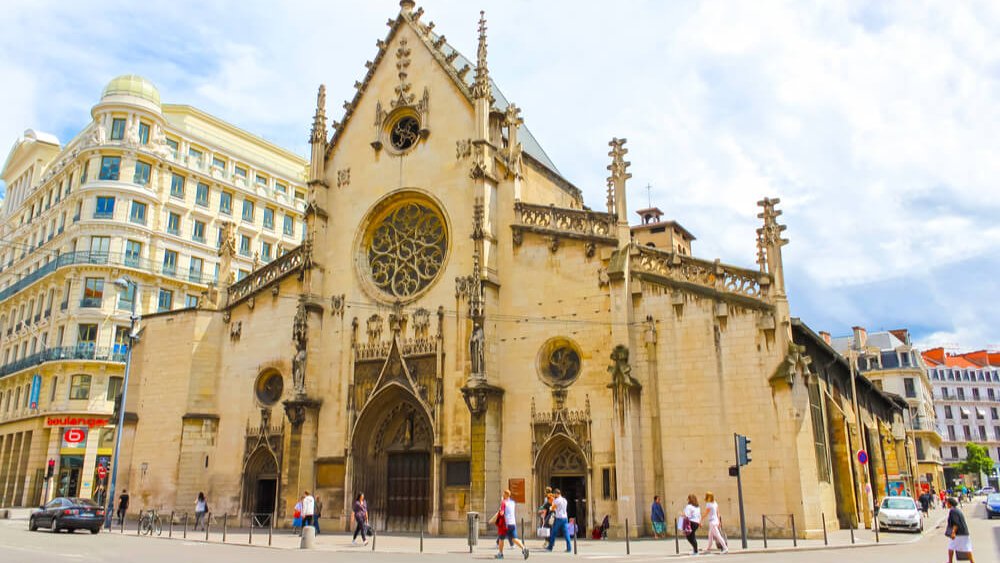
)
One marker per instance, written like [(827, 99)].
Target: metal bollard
[(677, 540), (208, 523), (250, 541), (763, 526), (628, 548), (138, 525), (270, 529), (574, 542), (170, 525), (422, 532), (825, 540), (875, 525), (795, 539), (225, 526), (185, 525), (850, 525), (373, 539)]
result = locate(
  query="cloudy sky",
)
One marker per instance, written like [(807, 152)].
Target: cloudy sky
[(876, 123)]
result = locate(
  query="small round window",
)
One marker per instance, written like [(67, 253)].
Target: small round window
[(559, 362), (269, 388), (405, 133)]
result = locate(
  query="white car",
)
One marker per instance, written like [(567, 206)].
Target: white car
[(899, 513)]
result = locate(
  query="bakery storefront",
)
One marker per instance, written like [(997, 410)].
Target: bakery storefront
[(84, 445)]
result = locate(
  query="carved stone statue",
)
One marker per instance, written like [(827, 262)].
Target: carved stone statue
[(299, 372), (98, 135), (477, 343), (132, 133)]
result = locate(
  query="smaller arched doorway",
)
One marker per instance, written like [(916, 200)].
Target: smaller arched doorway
[(260, 486), (561, 464)]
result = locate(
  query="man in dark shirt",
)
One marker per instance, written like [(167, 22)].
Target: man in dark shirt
[(958, 531), (122, 505)]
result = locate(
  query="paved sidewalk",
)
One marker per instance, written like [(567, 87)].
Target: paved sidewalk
[(411, 543)]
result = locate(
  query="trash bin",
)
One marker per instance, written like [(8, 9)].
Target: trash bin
[(472, 522)]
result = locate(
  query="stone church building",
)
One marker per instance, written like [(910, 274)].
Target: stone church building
[(457, 321)]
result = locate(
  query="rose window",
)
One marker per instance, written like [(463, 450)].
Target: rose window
[(406, 249), (405, 133)]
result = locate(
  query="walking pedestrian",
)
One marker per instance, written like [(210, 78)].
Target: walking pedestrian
[(308, 509), (958, 531), (122, 505), (944, 501), (297, 517), (506, 521), (714, 524), (658, 518), (546, 516), (317, 514), (692, 520), (559, 526), (360, 510), (200, 510)]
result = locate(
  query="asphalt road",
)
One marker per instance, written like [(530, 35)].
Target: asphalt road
[(18, 545)]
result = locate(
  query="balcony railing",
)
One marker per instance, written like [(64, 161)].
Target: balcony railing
[(91, 302), (78, 258), (79, 352)]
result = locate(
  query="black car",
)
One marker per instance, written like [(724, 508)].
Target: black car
[(68, 513)]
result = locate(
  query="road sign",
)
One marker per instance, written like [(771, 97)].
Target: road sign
[(862, 457), (74, 436), (101, 472)]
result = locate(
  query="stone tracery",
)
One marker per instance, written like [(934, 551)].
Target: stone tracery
[(407, 250)]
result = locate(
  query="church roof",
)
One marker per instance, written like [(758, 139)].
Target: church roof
[(457, 67)]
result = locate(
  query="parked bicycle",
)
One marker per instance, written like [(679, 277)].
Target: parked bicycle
[(149, 523)]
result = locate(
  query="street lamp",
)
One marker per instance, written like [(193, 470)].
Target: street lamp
[(127, 285)]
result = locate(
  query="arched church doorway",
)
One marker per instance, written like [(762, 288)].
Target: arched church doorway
[(260, 486), (391, 452), (561, 465)]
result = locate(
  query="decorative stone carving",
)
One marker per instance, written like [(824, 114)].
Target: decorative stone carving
[(421, 323), (463, 148), (579, 224), (559, 362), (406, 249), (561, 422), (403, 95), (296, 410), (236, 331), (300, 337), (374, 328), (622, 383), (481, 87), (796, 362), (477, 345), (711, 275), (98, 135), (337, 305), (343, 177), (272, 273)]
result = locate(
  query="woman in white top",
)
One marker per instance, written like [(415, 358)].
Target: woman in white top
[(714, 524), (693, 515)]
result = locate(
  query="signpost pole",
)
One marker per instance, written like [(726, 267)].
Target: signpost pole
[(120, 423), (739, 491)]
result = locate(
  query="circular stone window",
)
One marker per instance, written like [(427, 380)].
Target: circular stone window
[(404, 133), (404, 246), (269, 387), (559, 362)]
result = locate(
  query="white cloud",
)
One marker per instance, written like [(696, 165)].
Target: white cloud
[(874, 122)]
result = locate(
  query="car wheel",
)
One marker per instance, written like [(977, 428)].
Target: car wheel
[(54, 526), (94, 530), (32, 526)]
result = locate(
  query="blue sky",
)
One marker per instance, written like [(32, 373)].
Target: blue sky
[(876, 123)]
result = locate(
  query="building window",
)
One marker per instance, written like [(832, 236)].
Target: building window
[(141, 176), (608, 489), (194, 272), (240, 171), (269, 218), (138, 213), (126, 297), (165, 302), (86, 337), (79, 387), (201, 195), (194, 157), (265, 251), (299, 194), (248, 210), (242, 274), (281, 188), (190, 301), (458, 473), (173, 147), (117, 129), (133, 251), (951, 433), (105, 207), (961, 394), (169, 262), (93, 292), (993, 410), (261, 180), (909, 387), (819, 431), (99, 249), (954, 452), (947, 411), (218, 163), (143, 133), (177, 186), (173, 223), (114, 388), (110, 167), (198, 231), (244, 245), (289, 226), (226, 203)]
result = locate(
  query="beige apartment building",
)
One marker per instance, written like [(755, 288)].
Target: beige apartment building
[(891, 362), (144, 191)]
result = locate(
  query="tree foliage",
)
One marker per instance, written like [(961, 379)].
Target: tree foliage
[(977, 460)]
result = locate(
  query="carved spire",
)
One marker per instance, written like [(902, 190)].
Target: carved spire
[(769, 242), (318, 133), (616, 187), (406, 6), (481, 88)]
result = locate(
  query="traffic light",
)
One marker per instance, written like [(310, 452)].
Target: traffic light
[(51, 470), (743, 450)]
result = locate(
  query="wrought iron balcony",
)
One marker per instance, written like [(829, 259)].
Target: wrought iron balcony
[(91, 302), (84, 351)]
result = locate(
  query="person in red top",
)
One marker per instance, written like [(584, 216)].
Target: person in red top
[(943, 502)]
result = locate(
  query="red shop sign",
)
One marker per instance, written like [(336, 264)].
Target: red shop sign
[(74, 436)]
